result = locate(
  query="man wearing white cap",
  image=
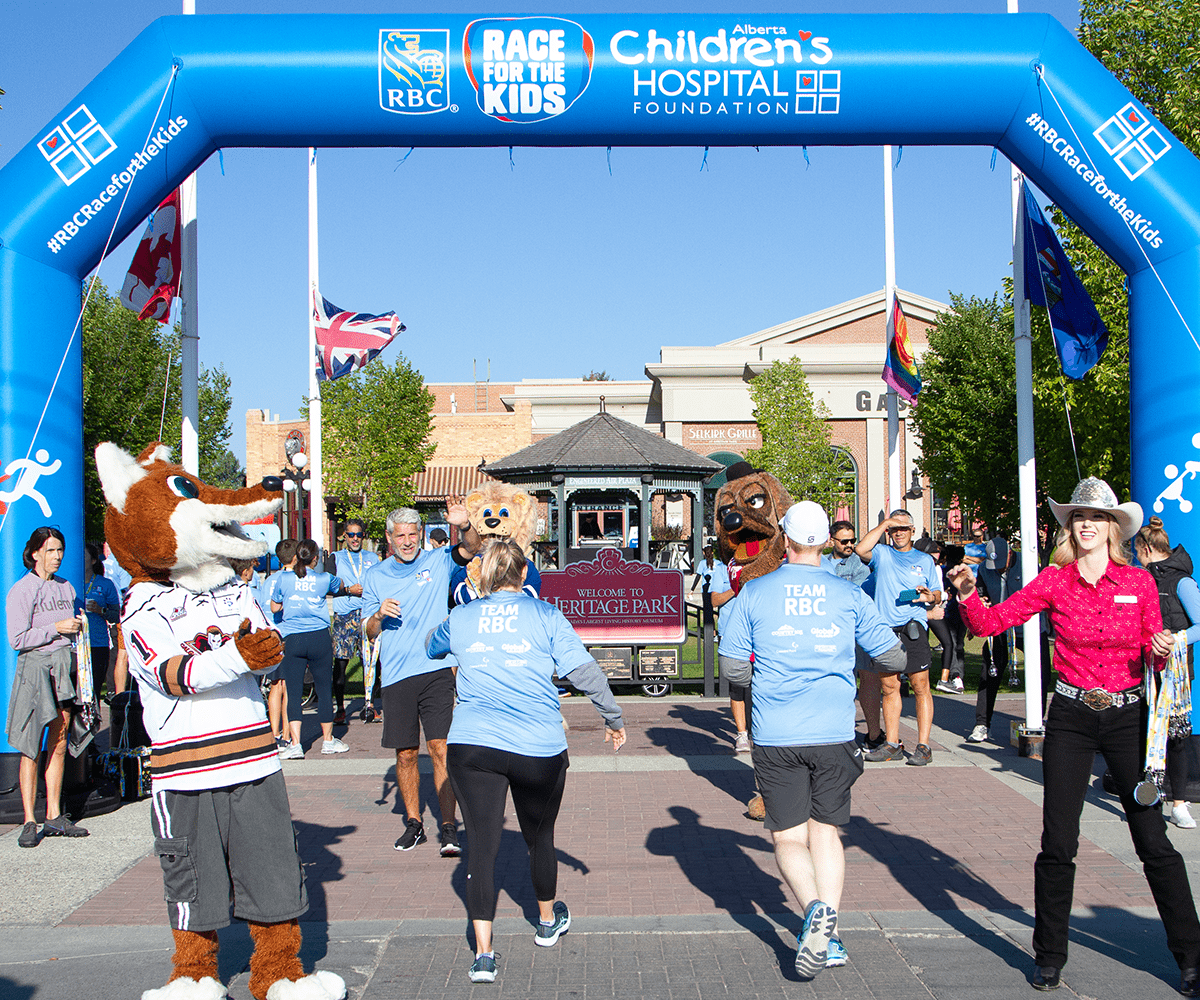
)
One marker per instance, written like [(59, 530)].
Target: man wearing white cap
[(800, 623)]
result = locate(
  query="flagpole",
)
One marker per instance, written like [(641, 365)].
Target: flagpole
[(316, 494), (895, 480), (189, 319), (1026, 464)]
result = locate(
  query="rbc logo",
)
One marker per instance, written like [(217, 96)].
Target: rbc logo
[(414, 68), (76, 145)]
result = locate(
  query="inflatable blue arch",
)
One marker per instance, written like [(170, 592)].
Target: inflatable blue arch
[(189, 85)]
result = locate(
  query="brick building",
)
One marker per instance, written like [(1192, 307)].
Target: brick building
[(697, 397)]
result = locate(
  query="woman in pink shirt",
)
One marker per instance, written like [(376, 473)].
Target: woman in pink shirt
[(1107, 621)]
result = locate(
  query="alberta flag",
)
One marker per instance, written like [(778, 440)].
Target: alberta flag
[(348, 340), (900, 369), (1080, 335)]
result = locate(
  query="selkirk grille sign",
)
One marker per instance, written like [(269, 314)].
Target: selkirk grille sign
[(612, 600)]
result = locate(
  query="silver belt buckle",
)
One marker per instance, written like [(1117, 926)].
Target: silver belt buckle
[(1097, 699)]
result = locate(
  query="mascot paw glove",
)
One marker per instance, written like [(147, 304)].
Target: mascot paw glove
[(262, 649), (321, 985)]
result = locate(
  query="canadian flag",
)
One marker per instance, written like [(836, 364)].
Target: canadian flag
[(153, 278)]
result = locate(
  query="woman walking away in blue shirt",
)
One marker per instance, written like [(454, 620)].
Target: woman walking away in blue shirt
[(299, 595), (507, 733)]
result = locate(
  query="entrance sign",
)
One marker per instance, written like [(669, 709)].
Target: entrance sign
[(187, 86), (613, 600)]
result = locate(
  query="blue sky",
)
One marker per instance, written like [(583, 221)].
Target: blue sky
[(659, 252)]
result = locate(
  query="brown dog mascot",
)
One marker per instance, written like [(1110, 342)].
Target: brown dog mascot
[(749, 508), (198, 644)]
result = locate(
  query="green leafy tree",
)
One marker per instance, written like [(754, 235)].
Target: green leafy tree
[(796, 447), (595, 376), (129, 366), (376, 426), (966, 413)]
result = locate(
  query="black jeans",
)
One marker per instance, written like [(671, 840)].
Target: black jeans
[(1074, 734), (995, 664), (313, 650)]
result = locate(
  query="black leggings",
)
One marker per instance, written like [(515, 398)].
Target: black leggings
[(313, 650), (481, 778)]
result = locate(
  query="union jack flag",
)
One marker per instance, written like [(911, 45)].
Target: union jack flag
[(348, 340)]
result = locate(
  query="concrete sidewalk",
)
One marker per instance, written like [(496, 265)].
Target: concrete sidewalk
[(673, 891)]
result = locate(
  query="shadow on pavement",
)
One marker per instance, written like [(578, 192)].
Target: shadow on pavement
[(10, 989), (706, 732), (714, 860)]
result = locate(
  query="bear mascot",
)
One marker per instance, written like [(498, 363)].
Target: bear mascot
[(498, 510), (749, 508), (198, 645)]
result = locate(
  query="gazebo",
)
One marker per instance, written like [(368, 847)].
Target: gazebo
[(602, 470)]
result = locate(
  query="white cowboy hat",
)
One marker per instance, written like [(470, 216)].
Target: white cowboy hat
[(1096, 494)]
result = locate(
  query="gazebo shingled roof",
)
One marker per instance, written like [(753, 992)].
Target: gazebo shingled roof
[(603, 441)]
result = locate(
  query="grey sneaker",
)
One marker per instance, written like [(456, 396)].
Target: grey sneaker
[(61, 826), (293, 751), (333, 746), (548, 934), (812, 944), (483, 969), (885, 751), (947, 687), (742, 743), (29, 836), (978, 735), (921, 756)]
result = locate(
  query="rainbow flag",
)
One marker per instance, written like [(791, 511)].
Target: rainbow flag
[(900, 369)]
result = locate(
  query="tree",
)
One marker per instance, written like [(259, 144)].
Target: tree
[(595, 376), (129, 366), (376, 425), (796, 447), (966, 413)]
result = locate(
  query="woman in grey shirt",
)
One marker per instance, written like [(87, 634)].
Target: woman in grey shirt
[(43, 614)]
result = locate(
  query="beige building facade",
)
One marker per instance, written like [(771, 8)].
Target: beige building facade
[(697, 397)]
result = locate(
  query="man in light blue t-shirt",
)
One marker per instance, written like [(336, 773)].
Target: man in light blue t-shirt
[(800, 623), (404, 598), (907, 582), (352, 564)]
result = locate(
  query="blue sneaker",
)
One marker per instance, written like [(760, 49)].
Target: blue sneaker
[(812, 945), (548, 934), (837, 956), (483, 969)]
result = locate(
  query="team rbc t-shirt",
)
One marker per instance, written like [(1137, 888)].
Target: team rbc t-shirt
[(303, 600), (896, 572), (508, 646), (421, 587), (801, 623)]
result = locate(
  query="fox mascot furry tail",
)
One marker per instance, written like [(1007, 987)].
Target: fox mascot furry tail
[(197, 644)]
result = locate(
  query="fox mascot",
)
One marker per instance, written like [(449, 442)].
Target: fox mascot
[(197, 644)]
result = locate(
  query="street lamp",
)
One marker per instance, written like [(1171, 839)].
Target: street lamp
[(295, 484)]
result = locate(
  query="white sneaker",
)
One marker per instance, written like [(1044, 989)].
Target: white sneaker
[(958, 684), (946, 687), (334, 746), (978, 735), (293, 751), (1182, 818), (742, 743)]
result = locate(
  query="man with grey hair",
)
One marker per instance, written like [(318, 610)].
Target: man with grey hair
[(404, 598), (799, 625)]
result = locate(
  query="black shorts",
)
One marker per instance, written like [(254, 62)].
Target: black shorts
[(916, 651), (426, 700), (807, 782)]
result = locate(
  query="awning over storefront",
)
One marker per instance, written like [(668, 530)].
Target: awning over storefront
[(440, 481)]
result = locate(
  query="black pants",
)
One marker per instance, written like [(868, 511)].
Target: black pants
[(313, 650), (481, 778), (1074, 734), (951, 654), (99, 668), (995, 664), (1181, 752)]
